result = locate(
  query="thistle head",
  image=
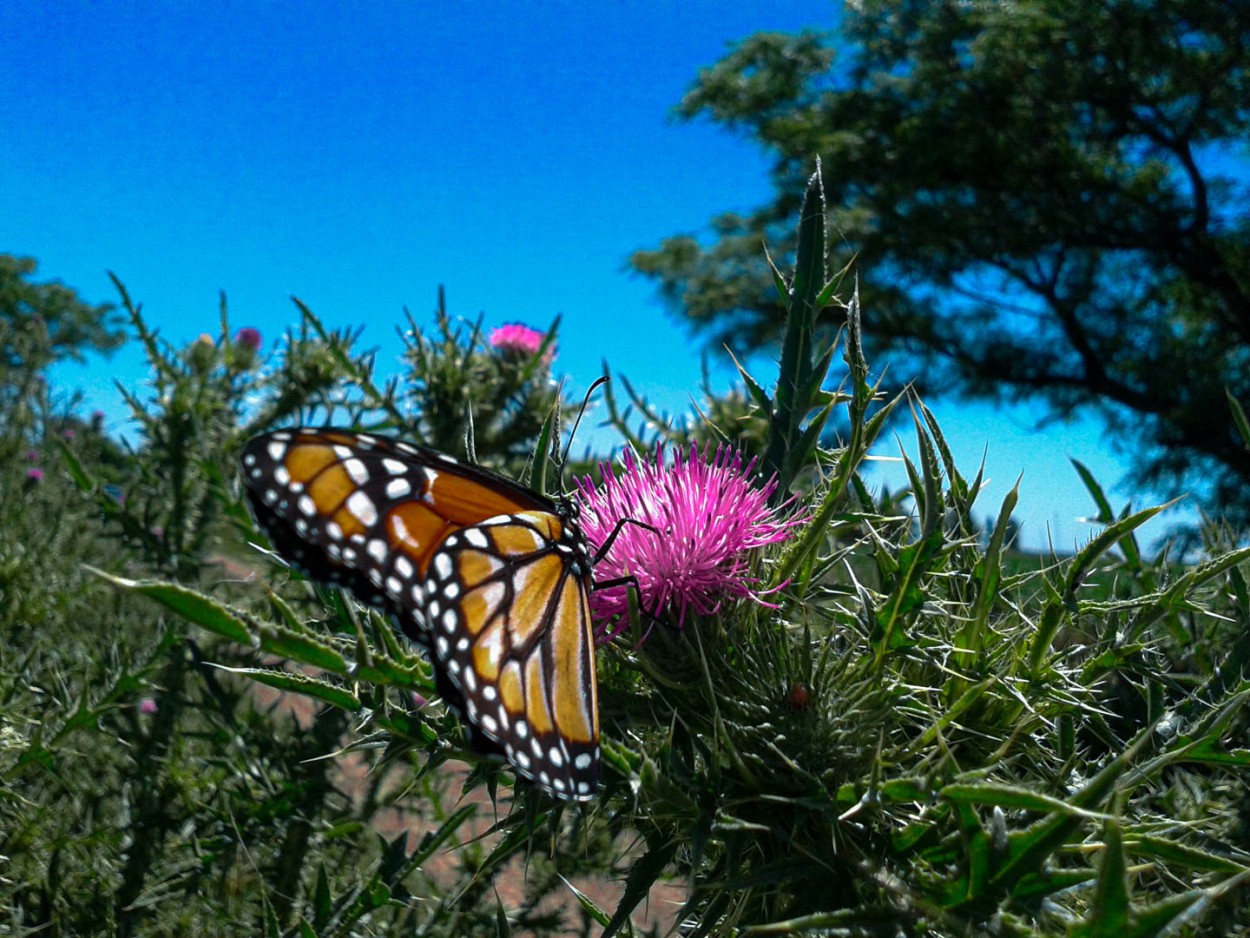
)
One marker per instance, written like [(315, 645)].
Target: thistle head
[(686, 531)]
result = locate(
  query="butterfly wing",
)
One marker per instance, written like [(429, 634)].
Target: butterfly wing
[(509, 615), (366, 512), (492, 576)]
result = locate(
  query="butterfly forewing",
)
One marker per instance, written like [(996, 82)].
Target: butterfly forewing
[(492, 576)]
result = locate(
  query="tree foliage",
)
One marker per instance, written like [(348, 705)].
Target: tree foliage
[(1048, 191), (41, 323)]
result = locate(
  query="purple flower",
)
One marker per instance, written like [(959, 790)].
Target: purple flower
[(68, 434), (32, 455), (34, 476), (147, 705), (515, 337), (709, 515), (248, 338)]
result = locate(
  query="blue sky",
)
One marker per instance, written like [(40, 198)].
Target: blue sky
[(357, 156)]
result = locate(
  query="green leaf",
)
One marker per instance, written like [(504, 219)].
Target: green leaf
[(1105, 514), (1109, 912), (794, 381), (642, 876), (322, 905), (296, 646), (1112, 535), (991, 573), (1012, 798), (757, 393), (1177, 854), (1239, 417), (588, 905), (536, 478), (192, 606), (294, 682)]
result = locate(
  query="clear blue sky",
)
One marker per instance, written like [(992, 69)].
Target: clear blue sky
[(358, 155)]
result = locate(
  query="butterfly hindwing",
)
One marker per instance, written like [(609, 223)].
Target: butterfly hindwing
[(510, 623), (490, 576)]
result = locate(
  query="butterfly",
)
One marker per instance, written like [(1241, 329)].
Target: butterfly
[(490, 578)]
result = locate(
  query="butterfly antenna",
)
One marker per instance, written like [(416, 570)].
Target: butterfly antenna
[(564, 460)]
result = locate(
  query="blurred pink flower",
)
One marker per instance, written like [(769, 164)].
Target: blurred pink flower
[(32, 455), (68, 434), (147, 705), (709, 514), (248, 338), (518, 338), (34, 476)]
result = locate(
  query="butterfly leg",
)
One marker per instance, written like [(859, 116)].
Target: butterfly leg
[(616, 530)]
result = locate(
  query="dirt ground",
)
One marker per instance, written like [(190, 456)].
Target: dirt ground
[(658, 911)]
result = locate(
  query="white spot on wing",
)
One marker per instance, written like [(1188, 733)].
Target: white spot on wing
[(361, 505), (356, 469), (442, 566), (398, 488)]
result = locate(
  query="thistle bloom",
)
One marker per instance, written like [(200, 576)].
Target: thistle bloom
[(515, 337), (707, 514), (248, 338), (147, 705), (34, 476)]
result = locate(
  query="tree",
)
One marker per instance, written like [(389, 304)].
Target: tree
[(1042, 195), (41, 323)]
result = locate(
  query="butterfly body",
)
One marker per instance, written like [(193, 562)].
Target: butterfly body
[(491, 578)]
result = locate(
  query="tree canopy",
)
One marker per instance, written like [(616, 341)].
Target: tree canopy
[(42, 323), (1047, 201)]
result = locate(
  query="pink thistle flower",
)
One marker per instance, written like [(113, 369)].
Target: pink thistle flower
[(248, 338), (32, 455), (34, 476), (147, 705), (68, 434), (709, 514), (520, 339)]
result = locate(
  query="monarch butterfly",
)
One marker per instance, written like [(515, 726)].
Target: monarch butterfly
[(490, 578)]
